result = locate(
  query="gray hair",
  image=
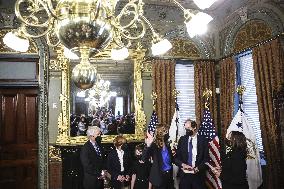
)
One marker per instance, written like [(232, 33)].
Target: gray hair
[(92, 130)]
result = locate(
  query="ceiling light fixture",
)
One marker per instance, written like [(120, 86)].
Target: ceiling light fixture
[(86, 27), (15, 41)]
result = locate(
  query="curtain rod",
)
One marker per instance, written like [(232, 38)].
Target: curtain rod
[(215, 60), (176, 58), (251, 47)]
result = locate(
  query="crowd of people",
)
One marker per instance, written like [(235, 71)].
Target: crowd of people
[(105, 120), (152, 167)]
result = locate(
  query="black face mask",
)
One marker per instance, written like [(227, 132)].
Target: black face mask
[(166, 137), (98, 139), (228, 142), (124, 147), (189, 132), (139, 156)]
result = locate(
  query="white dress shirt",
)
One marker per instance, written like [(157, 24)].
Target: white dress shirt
[(120, 154), (194, 148)]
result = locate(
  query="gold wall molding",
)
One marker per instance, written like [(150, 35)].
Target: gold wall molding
[(147, 66), (54, 153), (54, 65), (4, 49), (64, 115), (250, 34)]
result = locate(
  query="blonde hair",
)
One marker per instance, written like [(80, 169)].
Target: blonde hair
[(119, 140), (161, 130)]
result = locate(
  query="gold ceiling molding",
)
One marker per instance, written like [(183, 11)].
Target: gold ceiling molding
[(54, 65), (250, 34), (183, 49), (4, 49), (147, 66)]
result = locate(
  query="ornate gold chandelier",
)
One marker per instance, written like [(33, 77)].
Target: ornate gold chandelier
[(87, 27)]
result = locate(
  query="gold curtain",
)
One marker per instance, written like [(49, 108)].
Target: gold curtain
[(204, 77), (227, 90), (269, 75), (163, 79)]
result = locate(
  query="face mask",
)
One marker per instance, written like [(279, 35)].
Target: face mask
[(138, 157), (98, 139), (124, 147), (166, 137), (228, 142), (189, 132)]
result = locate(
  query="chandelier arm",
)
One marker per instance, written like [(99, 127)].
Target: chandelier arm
[(186, 12), (118, 25), (135, 37), (124, 11), (51, 9), (179, 5), (35, 3), (24, 30), (155, 35), (118, 41), (49, 41)]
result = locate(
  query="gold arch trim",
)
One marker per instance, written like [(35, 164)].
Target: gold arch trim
[(250, 34), (183, 49)]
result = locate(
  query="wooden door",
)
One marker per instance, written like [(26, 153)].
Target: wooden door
[(18, 138)]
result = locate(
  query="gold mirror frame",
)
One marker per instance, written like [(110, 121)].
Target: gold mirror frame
[(63, 137)]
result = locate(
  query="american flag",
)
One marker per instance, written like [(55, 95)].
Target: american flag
[(153, 123), (207, 129)]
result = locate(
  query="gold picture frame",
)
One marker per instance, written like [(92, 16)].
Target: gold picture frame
[(63, 137)]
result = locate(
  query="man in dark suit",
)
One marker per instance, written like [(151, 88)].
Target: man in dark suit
[(191, 155), (92, 160)]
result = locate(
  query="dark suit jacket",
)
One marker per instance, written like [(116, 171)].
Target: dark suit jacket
[(113, 164), (156, 173), (202, 153), (92, 165)]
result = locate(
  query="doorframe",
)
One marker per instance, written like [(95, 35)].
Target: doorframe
[(40, 50), (44, 59)]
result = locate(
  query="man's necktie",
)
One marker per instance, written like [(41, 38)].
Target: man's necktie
[(190, 152), (97, 150)]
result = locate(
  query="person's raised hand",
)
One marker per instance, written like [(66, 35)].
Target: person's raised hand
[(149, 139)]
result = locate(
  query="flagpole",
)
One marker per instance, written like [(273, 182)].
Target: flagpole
[(154, 98), (175, 94), (207, 93), (240, 90)]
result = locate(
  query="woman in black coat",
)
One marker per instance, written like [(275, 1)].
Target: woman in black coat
[(234, 165), (118, 164), (140, 170), (161, 174)]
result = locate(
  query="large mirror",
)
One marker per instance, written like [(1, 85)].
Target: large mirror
[(109, 104), (117, 110)]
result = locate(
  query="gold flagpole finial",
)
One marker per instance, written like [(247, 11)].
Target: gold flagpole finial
[(154, 98), (241, 89), (207, 93), (176, 93)]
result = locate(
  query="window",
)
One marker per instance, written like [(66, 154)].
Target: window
[(119, 106), (184, 81), (246, 77)]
